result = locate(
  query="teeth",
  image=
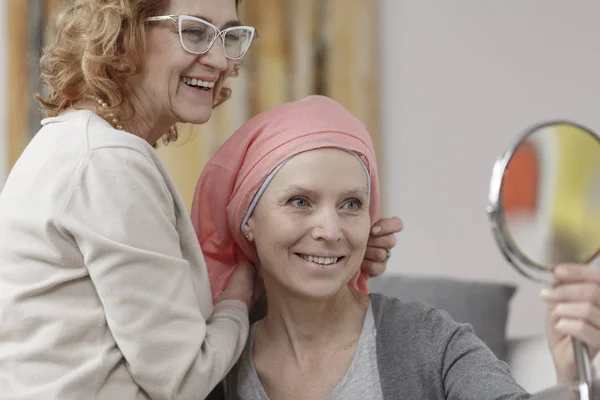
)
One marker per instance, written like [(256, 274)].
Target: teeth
[(320, 260), (199, 83)]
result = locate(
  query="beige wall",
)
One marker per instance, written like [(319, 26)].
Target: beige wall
[(462, 79)]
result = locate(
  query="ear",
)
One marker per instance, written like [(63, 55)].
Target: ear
[(247, 231)]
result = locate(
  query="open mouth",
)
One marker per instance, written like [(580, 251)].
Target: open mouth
[(197, 83), (324, 261)]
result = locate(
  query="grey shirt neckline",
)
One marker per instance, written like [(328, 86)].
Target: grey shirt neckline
[(368, 326)]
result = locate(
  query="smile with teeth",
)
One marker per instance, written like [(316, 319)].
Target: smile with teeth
[(196, 83), (320, 260)]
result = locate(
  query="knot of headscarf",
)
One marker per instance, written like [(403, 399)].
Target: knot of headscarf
[(237, 170)]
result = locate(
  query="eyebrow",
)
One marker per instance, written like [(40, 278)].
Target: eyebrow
[(298, 188), (228, 24)]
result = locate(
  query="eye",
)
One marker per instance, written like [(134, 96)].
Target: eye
[(232, 37), (353, 205), (195, 33), (299, 202)]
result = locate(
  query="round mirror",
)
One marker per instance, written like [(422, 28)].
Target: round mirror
[(544, 204), (545, 199)]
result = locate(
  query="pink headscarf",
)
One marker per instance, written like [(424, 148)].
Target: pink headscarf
[(235, 173)]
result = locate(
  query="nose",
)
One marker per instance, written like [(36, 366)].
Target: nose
[(327, 227), (215, 56)]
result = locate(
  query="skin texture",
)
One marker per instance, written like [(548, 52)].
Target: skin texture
[(315, 205), (303, 212)]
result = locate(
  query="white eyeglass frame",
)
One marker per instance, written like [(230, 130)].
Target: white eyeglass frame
[(219, 33)]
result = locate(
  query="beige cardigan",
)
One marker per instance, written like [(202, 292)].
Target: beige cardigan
[(104, 293)]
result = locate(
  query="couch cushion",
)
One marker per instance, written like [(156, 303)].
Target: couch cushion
[(484, 305)]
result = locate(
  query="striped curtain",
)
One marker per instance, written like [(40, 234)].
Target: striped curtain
[(304, 47)]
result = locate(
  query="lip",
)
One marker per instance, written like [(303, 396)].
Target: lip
[(325, 255), (320, 269), (198, 93)]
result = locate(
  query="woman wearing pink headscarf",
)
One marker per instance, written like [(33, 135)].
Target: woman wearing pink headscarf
[(295, 191)]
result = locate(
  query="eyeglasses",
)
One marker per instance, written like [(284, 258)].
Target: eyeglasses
[(198, 36)]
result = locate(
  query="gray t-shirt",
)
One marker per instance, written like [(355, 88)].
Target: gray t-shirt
[(361, 381), (423, 354)]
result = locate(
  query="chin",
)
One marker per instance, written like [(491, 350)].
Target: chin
[(196, 117), (318, 290)]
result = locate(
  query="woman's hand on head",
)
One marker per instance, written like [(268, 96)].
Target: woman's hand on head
[(381, 240), (241, 286), (573, 311)]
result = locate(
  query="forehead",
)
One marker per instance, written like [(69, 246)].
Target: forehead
[(324, 170), (218, 12)]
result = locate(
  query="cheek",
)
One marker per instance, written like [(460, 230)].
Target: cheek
[(226, 74), (230, 67), (157, 74), (358, 232), (278, 235)]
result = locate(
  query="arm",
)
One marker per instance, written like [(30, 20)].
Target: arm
[(122, 217), (468, 368)]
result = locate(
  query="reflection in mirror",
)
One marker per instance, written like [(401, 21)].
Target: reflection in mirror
[(550, 195)]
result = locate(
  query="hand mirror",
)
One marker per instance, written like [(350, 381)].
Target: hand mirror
[(544, 205)]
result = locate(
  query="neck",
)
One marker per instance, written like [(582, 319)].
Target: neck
[(145, 123), (299, 324)]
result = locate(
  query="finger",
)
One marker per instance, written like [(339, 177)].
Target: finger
[(375, 254), (586, 312), (580, 330), (552, 318), (576, 273), (386, 226), (373, 268), (572, 292), (384, 242)]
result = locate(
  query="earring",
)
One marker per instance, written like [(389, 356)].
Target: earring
[(247, 236)]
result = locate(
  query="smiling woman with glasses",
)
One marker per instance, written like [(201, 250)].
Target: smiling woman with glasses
[(104, 292)]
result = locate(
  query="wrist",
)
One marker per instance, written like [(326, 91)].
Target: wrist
[(231, 297), (568, 374), (231, 303)]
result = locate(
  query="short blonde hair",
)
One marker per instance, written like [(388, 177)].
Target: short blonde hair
[(85, 56)]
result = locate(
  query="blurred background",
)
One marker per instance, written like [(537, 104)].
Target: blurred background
[(444, 87)]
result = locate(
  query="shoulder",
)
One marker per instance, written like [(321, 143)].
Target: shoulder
[(388, 309), (106, 152), (242, 381), (414, 321), (116, 167), (93, 132)]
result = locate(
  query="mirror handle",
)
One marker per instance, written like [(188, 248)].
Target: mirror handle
[(583, 367)]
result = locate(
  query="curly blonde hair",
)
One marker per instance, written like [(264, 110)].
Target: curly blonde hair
[(85, 56)]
